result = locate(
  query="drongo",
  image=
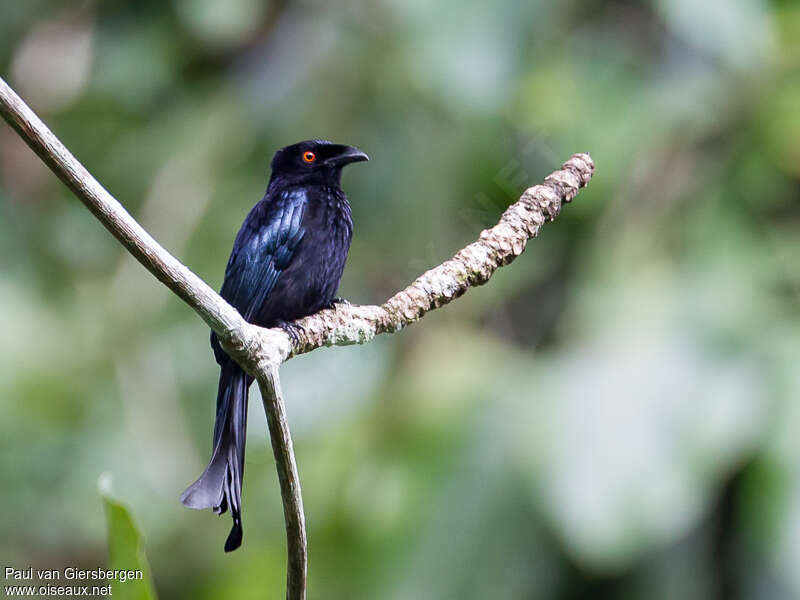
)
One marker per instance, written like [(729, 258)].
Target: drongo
[(286, 263)]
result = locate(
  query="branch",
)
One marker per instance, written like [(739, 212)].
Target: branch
[(297, 549), (261, 351), (347, 324)]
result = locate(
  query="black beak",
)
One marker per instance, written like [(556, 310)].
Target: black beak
[(347, 155)]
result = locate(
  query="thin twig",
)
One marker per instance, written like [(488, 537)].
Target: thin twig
[(293, 514), (261, 351), (219, 315)]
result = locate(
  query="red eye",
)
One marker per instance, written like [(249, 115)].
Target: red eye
[(309, 157)]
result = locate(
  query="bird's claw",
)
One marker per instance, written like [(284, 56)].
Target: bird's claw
[(293, 330), (337, 300)]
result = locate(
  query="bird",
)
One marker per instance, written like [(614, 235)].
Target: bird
[(286, 263)]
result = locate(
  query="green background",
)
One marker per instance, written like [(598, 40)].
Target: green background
[(614, 416)]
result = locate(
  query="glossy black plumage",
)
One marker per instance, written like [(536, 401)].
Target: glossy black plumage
[(286, 263)]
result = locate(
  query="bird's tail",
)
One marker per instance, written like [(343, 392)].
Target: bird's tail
[(220, 485)]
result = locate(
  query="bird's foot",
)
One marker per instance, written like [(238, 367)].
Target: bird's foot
[(337, 300), (293, 330)]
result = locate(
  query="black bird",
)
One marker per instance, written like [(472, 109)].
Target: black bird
[(286, 263)]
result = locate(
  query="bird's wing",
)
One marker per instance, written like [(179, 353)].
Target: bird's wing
[(263, 249)]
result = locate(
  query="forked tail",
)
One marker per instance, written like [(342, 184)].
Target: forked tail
[(220, 485)]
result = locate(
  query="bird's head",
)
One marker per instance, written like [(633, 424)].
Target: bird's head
[(313, 161)]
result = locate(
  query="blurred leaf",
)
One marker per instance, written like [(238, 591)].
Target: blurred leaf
[(126, 550)]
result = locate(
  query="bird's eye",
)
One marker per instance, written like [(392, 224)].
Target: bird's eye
[(309, 157)]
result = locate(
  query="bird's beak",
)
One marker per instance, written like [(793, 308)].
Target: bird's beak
[(348, 155)]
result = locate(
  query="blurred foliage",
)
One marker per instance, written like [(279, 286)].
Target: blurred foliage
[(613, 416)]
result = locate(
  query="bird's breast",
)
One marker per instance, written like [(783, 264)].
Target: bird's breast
[(311, 280)]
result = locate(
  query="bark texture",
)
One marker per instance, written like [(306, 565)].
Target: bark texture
[(474, 265)]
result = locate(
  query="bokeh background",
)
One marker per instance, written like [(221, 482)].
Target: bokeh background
[(615, 415)]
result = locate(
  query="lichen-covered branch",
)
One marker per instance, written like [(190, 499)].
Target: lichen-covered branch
[(261, 351), (350, 324)]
